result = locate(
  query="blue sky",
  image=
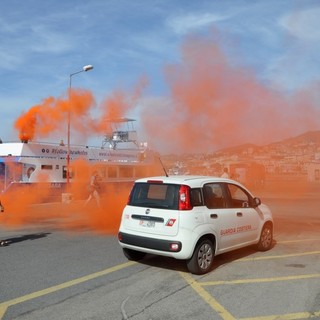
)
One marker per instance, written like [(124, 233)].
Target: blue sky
[(43, 42)]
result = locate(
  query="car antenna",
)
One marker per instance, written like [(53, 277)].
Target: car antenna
[(164, 169)]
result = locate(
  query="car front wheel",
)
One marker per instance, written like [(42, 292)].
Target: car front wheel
[(266, 238), (202, 259)]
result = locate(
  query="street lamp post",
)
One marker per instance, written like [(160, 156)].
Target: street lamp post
[(84, 69)]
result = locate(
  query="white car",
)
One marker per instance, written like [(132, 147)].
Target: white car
[(193, 218)]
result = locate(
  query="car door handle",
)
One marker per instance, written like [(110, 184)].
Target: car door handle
[(213, 216), (239, 214)]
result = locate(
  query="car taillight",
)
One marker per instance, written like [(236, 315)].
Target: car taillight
[(175, 246), (155, 181), (129, 197), (184, 198)]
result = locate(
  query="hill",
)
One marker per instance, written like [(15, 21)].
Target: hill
[(307, 138)]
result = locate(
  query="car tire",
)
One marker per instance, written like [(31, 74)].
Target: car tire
[(133, 254), (266, 238), (201, 261)]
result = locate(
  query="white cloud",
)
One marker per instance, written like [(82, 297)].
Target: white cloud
[(48, 41), (9, 61), (295, 64), (24, 38), (186, 23), (304, 24)]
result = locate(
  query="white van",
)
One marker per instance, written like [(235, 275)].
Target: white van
[(192, 218)]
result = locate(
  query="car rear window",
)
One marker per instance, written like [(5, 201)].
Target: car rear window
[(155, 195)]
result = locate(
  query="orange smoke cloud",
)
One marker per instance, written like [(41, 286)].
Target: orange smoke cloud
[(51, 115), (42, 205), (214, 104), (66, 216), (45, 118), (118, 104)]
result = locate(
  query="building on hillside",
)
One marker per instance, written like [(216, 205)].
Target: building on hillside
[(248, 173), (313, 170)]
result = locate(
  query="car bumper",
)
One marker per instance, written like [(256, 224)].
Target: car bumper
[(149, 243)]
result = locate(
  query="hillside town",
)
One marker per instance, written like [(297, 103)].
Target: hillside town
[(252, 164)]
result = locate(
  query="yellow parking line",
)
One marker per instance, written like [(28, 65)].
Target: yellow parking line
[(279, 256), (215, 305), (301, 240), (242, 281), (289, 316), (5, 305), (226, 315)]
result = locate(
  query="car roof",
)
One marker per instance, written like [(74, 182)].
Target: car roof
[(191, 180)]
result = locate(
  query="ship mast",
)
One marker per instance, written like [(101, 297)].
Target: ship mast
[(119, 130)]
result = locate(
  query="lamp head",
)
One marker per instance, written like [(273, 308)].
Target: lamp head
[(87, 68)]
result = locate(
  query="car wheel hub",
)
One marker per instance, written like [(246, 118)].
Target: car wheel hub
[(205, 257), (266, 238)]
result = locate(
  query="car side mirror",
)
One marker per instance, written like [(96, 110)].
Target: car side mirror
[(256, 202)]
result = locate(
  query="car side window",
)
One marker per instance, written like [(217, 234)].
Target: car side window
[(238, 197), (213, 196), (196, 197)]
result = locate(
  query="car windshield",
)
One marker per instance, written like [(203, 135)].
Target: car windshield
[(155, 195)]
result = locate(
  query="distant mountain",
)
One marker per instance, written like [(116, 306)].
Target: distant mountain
[(305, 138), (239, 149)]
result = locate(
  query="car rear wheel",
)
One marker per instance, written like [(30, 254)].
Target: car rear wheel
[(266, 238), (133, 254), (202, 259)]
